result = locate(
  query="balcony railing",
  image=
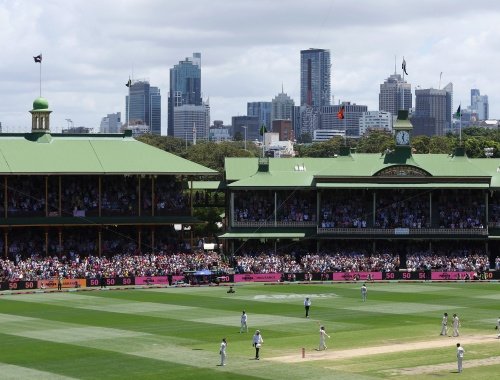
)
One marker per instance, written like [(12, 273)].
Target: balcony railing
[(272, 223), (403, 231)]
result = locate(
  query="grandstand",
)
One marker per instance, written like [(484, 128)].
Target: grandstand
[(395, 201), (90, 194)]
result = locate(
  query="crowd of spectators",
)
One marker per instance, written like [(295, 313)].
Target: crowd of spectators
[(461, 210), (73, 265), (402, 210), (458, 260), (79, 196), (252, 207), (345, 210), (123, 265)]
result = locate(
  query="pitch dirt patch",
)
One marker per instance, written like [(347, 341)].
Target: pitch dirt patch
[(427, 369), (385, 349)]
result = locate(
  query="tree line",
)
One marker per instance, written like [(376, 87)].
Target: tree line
[(212, 154)]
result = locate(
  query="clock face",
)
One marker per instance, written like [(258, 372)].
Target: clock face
[(403, 137)]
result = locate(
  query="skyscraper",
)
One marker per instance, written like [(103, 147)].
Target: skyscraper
[(433, 109), (155, 110), (262, 110), (185, 87), (479, 104), (192, 123), (281, 107), (315, 82), (111, 123), (394, 95), (144, 104), (350, 123)]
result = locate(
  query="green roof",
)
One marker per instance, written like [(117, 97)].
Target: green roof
[(88, 154), (303, 172), (40, 104)]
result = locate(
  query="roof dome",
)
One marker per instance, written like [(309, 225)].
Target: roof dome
[(40, 104)]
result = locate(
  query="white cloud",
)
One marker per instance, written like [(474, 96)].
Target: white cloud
[(249, 49)]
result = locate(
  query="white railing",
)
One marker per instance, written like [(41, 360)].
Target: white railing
[(272, 223), (403, 231)]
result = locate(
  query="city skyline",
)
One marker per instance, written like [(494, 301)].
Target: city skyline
[(89, 54)]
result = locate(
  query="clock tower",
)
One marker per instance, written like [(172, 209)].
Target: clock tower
[(402, 130)]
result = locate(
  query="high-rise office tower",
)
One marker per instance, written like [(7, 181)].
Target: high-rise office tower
[(262, 110), (394, 95), (315, 82), (192, 123), (143, 105), (433, 111), (185, 87), (479, 104), (350, 123), (281, 107), (111, 123), (155, 107)]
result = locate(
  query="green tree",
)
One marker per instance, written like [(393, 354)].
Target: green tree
[(421, 144), (375, 142), (441, 144), (212, 155), (322, 149), (167, 143)]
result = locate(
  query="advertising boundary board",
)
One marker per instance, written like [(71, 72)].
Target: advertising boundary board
[(257, 277), (251, 277), (110, 281), (65, 282)]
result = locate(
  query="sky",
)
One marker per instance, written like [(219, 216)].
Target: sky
[(249, 49)]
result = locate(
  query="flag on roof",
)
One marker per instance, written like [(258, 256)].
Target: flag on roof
[(129, 83), (38, 58), (340, 114), (403, 66)]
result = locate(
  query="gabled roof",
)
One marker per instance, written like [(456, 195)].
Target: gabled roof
[(286, 172), (88, 154)]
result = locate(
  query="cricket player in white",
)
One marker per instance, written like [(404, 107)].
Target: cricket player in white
[(498, 328), (364, 290), (460, 356), (456, 325), (244, 318), (444, 325), (322, 336), (222, 352)]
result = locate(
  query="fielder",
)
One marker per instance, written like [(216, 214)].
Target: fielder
[(497, 327), (460, 357), (456, 325), (364, 291), (444, 325), (322, 336), (244, 318), (222, 352)]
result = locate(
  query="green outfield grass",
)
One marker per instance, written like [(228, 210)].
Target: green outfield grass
[(174, 333)]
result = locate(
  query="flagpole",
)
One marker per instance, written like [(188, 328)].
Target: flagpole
[(403, 86), (40, 77), (345, 128), (128, 103), (460, 122)]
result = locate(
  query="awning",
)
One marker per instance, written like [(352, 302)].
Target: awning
[(433, 185), (263, 235), (206, 185)]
